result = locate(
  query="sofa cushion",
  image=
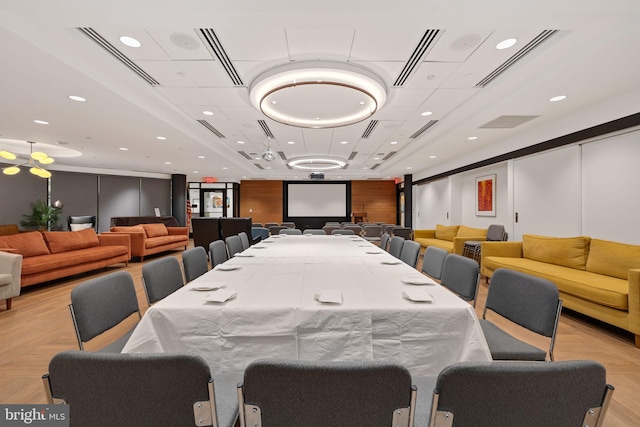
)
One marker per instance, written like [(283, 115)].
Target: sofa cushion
[(165, 240), (155, 230), (442, 244), (44, 263), (128, 229), (569, 252), (465, 231), (64, 241), (26, 244), (612, 258), (446, 232)]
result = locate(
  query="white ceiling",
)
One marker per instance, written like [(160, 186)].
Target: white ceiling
[(593, 56)]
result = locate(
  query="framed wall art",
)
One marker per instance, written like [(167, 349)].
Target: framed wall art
[(486, 195)]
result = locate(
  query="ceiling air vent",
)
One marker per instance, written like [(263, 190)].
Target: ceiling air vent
[(282, 155), (390, 155), (212, 43), (245, 155), (102, 42), (345, 166), (369, 129), (212, 129), (416, 58), (540, 38), (353, 155), (258, 165), (374, 166), (423, 129), (507, 122), (266, 129)]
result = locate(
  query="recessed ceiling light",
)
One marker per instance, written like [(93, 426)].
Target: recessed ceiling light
[(240, 142), (77, 98), (432, 157), (393, 142), (274, 102), (225, 168), (505, 44), (365, 167), (41, 122), (124, 149), (361, 103), (201, 157), (376, 158), (196, 172), (471, 138), (130, 41), (291, 142), (167, 163), (408, 167), (268, 167), (207, 113), (161, 138), (557, 98), (344, 142), (426, 113)]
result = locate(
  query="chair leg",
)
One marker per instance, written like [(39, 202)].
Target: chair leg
[(637, 341), (9, 308)]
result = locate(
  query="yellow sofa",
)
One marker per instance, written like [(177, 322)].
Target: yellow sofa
[(598, 278), (449, 237)]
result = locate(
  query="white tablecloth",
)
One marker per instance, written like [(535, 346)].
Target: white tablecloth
[(275, 314)]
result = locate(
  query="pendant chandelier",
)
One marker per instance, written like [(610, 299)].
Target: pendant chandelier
[(33, 162)]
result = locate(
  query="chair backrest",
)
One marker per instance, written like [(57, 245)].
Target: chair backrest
[(256, 225), (271, 224), (115, 389), (462, 276), (276, 229), (328, 229), (565, 393), (395, 246), (261, 232), (496, 233), (372, 231), (315, 232), (288, 224), (291, 231), (410, 252), (384, 241), (244, 240), (433, 261), (402, 232), (161, 277), (531, 302), (194, 262), (80, 222), (355, 228), (320, 394), (218, 252), (345, 232), (101, 303), (234, 245)]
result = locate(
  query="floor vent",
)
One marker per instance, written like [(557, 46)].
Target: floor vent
[(416, 58), (423, 129), (367, 132), (266, 129), (210, 39), (540, 38), (212, 129), (102, 42)]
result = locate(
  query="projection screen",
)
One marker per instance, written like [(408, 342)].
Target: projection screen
[(317, 200)]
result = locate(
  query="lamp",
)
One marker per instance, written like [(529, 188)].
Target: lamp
[(35, 159), (316, 94)]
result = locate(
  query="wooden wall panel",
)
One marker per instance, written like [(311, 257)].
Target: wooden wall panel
[(378, 199), (264, 198)]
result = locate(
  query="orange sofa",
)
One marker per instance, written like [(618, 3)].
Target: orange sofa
[(148, 239), (52, 255)]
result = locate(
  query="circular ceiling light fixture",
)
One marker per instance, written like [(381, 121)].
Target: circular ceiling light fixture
[(316, 163), (269, 155), (318, 95)]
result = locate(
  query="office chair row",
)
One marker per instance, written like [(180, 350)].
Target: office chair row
[(175, 389)]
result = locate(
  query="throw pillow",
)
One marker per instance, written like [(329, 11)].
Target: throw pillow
[(446, 232), (155, 230)]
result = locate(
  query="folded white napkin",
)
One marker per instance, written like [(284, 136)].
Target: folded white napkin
[(221, 295), (329, 296), (417, 295)]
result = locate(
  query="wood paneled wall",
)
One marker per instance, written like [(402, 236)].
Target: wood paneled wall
[(265, 199)]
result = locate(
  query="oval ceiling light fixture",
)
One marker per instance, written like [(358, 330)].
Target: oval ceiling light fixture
[(318, 95), (505, 44), (130, 41), (316, 163), (558, 98)]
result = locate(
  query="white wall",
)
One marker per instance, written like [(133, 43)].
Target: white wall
[(591, 189)]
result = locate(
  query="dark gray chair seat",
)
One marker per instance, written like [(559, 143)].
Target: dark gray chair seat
[(505, 347)]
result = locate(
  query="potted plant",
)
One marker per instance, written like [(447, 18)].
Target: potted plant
[(42, 216)]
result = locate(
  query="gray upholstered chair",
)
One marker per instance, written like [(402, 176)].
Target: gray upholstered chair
[(244, 240), (321, 394), (433, 261), (343, 232), (100, 304), (354, 227), (291, 232), (257, 225), (410, 253), (314, 232), (462, 276), (80, 222), (161, 278), (259, 233), (10, 270), (141, 390), (218, 252), (276, 229), (372, 233), (529, 301), (402, 232), (194, 263), (288, 224), (473, 248), (271, 224), (497, 394), (384, 241), (328, 229), (395, 246), (234, 245)]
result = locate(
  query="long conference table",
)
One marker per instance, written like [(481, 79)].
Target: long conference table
[(276, 312)]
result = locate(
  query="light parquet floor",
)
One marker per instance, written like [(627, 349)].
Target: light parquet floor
[(39, 326)]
